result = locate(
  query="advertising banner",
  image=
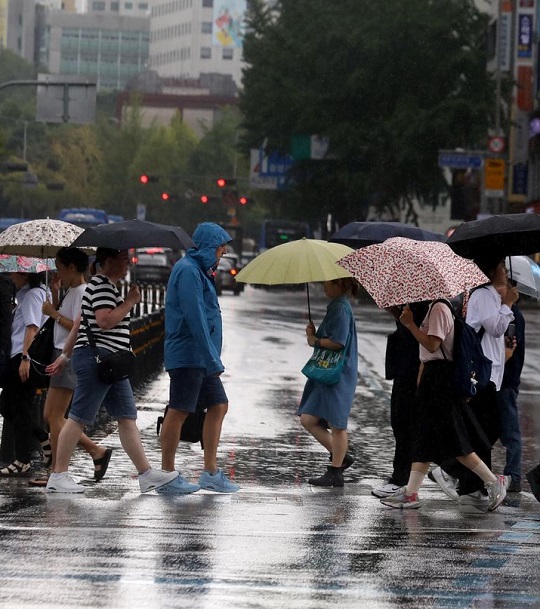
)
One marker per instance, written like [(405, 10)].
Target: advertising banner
[(525, 36), (228, 23)]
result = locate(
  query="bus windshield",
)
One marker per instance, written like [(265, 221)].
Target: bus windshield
[(276, 232), (84, 216)]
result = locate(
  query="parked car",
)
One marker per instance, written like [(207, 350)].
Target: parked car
[(228, 268), (151, 265)]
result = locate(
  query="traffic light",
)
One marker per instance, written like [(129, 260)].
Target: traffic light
[(226, 182), (243, 200), (165, 196), (204, 199), (145, 178)]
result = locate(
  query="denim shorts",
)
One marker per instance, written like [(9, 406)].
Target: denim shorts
[(67, 379), (91, 393), (191, 390)]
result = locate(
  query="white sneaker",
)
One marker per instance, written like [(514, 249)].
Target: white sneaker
[(154, 478), (496, 492), (446, 482), (387, 489), (63, 483), (478, 499)]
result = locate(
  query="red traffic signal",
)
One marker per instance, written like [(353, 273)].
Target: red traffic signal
[(242, 200), (226, 182), (204, 199), (145, 178), (165, 196)]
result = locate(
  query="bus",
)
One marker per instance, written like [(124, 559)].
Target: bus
[(275, 232), (7, 222), (83, 216)]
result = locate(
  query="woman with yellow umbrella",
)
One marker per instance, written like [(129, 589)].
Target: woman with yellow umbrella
[(326, 404)]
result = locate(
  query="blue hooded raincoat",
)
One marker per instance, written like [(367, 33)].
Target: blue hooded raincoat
[(193, 326)]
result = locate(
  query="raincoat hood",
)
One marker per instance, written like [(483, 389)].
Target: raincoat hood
[(208, 237)]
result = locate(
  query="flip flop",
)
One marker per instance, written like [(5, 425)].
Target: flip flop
[(103, 464)]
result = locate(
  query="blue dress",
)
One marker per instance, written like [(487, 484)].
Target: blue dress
[(333, 402)]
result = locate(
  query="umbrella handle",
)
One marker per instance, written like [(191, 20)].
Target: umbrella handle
[(308, 304)]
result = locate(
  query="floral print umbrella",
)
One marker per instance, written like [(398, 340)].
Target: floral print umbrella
[(400, 271), (25, 264), (38, 238)]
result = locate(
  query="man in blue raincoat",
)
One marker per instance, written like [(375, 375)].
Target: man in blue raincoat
[(193, 337)]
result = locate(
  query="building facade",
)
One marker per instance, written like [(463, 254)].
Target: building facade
[(109, 48), (193, 37)]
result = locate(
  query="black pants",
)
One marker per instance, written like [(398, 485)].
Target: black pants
[(401, 408), (484, 407), (16, 404)]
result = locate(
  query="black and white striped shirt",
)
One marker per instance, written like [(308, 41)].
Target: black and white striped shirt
[(100, 293)]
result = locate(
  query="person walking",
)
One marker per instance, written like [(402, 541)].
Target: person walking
[(17, 398), (107, 317), (507, 399), (71, 266), (440, 421), (193, 341), (402, 350), (489, 312), (324, 409)]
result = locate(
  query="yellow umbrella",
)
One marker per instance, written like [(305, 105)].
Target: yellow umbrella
[(301, 261)]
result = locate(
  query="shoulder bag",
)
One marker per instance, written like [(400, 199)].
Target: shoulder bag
[(113, 367), (41, 350), (326, 365)]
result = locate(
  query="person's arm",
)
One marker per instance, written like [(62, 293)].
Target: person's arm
[(24, 367), (484, 312), (107, 319), (64, 357), (430, 342)]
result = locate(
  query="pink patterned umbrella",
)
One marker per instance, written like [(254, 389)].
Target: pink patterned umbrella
[(25, 264), (401, 270)]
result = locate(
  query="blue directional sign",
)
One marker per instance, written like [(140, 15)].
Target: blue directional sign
[(460, 160)]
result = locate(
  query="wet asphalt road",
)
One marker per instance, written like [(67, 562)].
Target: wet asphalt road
[(277, 543)]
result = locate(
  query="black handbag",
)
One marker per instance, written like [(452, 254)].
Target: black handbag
[(41, 351), (42, 346), (113, 367)]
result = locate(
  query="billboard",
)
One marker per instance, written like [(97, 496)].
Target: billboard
[(228, 23)]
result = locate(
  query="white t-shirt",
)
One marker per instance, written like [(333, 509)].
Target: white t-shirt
[(70, 309), (485, 309), (27, 313), (438, 322)]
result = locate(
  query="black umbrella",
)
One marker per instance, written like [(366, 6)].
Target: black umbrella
[(134, 233), (506, 234), (362, 234)]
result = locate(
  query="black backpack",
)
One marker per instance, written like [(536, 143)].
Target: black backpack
[(472, 369)]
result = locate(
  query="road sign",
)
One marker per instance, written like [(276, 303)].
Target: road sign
[(460, 160), (494, 170), (496, 144)]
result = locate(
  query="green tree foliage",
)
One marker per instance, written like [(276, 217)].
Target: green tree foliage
[(390, 83)]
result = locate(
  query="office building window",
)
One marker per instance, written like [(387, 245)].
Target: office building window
[(206, 52), (115, 6), (208, 3), (227, 53), (128, 6), (206, 27), (98, 6)]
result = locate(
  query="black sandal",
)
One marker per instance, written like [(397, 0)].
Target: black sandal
[(17, 468), (103, 464)]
